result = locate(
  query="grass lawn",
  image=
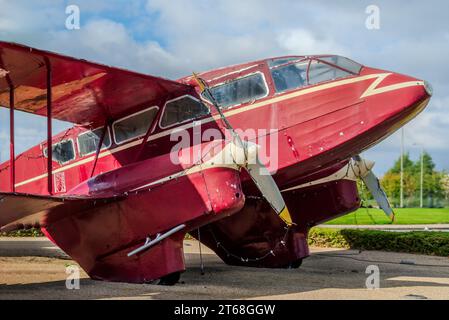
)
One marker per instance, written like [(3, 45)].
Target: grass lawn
[(403, 216)]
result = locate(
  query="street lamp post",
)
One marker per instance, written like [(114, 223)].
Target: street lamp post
[(421, 186), (422, 179), (402, 170)]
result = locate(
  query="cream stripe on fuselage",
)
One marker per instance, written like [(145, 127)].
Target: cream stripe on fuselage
[(370, 91)]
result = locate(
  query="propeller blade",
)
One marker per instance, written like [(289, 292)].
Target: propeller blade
[(373, 185), (269, 189)]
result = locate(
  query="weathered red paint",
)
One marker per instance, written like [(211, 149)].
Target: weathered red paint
[(316, 134)]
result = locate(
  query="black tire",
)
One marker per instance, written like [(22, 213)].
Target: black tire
[(170, 279), (296, 264)]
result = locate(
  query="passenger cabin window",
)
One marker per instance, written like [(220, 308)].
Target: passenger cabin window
[(181, 110), (62, 152), (309, 71), (134, 126), (240, 91), (88, 141)]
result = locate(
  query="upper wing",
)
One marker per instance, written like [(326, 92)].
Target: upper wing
[(19, 210), (83, 92)]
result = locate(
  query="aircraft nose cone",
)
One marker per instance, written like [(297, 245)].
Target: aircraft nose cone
[(428, 87)]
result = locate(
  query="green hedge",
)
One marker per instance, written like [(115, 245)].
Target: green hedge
[(421, 242), (23, 233)]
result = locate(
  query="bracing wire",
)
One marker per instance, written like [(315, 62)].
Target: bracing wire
[(282, 243)]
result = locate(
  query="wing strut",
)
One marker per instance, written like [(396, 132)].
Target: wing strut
[(12, 150), (12, 155), (100, 144), (144, 140), (49, 129)]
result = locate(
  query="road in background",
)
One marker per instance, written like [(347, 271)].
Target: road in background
[(391, 227)]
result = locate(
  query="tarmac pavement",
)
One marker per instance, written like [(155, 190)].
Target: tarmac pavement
[(32, 268)]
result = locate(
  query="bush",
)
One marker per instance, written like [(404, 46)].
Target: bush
[(421, 242), (23, 233)]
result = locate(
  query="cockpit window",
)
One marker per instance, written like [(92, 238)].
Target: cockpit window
[(277, 62), (321, 72), (235, 92), (291, 76), (309, 71), (343, 63)]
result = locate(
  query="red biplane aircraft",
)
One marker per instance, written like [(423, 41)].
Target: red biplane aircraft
[(117, 194)]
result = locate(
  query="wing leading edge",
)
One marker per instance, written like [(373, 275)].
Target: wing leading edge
[(84, 93)]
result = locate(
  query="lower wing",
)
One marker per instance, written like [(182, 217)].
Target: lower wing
[(18, 211)]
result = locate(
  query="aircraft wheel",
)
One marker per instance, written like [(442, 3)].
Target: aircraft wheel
[(295, 264), (170, 279)]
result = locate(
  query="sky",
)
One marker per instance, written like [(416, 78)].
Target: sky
[(173, 38)]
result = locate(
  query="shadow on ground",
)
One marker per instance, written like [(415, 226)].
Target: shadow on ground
[(326, 274)]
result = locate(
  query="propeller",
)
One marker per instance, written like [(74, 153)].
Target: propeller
[(373, 184), (245, 154)]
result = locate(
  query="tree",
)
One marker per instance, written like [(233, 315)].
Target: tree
[(429, 165), (391, 182), (432, 183), (433, 187), (409, 165)]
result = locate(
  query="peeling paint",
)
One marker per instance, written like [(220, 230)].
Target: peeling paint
[(292, 147), (3, 73)]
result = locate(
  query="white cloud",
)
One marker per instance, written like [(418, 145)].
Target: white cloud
[(109, 42), (430, 131), (304, 42), (173, 38)]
